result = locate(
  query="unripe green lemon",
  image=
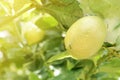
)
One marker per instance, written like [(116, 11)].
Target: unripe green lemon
[(85, 37), (33, 34)]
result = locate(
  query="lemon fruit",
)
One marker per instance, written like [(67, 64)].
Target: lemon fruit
[(85, 37), (33, 34)]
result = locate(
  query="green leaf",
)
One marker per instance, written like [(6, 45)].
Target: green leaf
[(118, 43), (70, 64), (108, 79), (53, 45), (46, 22), (66, 12), (117, 26), (68, 75), (105, 8), (84, 4), (104, 76), (107, 44), (33, 76), (87, 64), (59, 57), (55, 42), (111, 66), (99, 75)]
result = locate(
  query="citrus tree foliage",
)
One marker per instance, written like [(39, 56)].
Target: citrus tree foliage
[(32, 36)]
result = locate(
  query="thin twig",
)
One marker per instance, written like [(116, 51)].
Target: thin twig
[(11, 18)]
